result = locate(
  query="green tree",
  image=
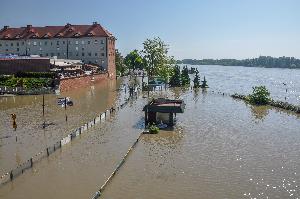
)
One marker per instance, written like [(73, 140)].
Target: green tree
[(260, 96), (120, 66), (185, 78), (157, 61), (175, 80), (134, 60), (197, 79)]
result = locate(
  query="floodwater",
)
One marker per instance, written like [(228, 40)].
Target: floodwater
[(220, 148), (284, 84), (32, 138)]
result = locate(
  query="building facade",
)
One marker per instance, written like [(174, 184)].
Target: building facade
[(90, 43)]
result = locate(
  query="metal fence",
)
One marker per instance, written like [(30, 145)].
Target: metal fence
[(7, 177)]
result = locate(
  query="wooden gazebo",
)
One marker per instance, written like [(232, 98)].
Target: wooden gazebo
[(162, 110)]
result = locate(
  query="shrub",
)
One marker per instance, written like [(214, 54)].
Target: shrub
[(153, 129), (185, 78), (260, 96), (196, 79), (175, 80)]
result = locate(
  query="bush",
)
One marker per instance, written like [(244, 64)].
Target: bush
[(175, 80), (185, 78), (196, 79), (153, 129), (28, 83), (260, 96)]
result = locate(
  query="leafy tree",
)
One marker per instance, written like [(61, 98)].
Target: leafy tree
[(185, 78), (120, 66), (260, 96), (197, 79), (175, 80), (157, 61), (134, 60)]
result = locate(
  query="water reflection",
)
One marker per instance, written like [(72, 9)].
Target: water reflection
[(259, 112)]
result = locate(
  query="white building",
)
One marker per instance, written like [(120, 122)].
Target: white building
[(90, 43)]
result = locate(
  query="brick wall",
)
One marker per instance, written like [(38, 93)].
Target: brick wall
[(111, 65), (11, 66), (71, 83)]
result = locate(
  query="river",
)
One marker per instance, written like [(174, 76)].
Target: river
[(220, 147)]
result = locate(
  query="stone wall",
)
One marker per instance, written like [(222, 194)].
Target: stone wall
[(71, 83)]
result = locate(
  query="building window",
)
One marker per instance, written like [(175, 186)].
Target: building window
[(51, 43), (46, 43), (47, 54), (6, 50), (70, 42), (82, 54), (6, 44), (28, 49), (40, 43), (58, 54), (34, 43), (41, 49), (96, 41), (57, 48), (102, 54), (76, 42), (22, 43), (102, 48), (70, 53), (102, 41), (89, 42), (82, 49), (96, 54), (77, 48), (90, 54), (82, 42), (12, 44), (64, 42), (52, 54), (57, 42), (77, 54), (0, 44), (18, 44), (41, 55)]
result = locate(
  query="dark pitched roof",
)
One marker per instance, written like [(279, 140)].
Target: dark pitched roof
[(165, 106), (67, 31)]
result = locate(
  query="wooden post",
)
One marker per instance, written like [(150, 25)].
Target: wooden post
[(146, 117), (171, 121)]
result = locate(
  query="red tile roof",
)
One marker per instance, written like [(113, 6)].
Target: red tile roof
[(67, 31)]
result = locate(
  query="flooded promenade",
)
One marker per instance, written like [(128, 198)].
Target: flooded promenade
[(220, 148), (32, 138)]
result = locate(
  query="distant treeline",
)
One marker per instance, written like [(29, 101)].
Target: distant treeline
[(262, 61)]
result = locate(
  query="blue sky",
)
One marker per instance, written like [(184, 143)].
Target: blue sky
[(193, 28)]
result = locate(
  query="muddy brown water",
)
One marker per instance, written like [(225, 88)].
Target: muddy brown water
[(220, 148), (32, 138)]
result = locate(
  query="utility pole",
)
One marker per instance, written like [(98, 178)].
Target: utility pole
[(44, 124), (66, 109)]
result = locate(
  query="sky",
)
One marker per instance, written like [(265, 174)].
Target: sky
[(196, 29)]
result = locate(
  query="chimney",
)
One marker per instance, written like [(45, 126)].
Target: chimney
[(29, 26), (95, 23), (68, 25), (5, 27)]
